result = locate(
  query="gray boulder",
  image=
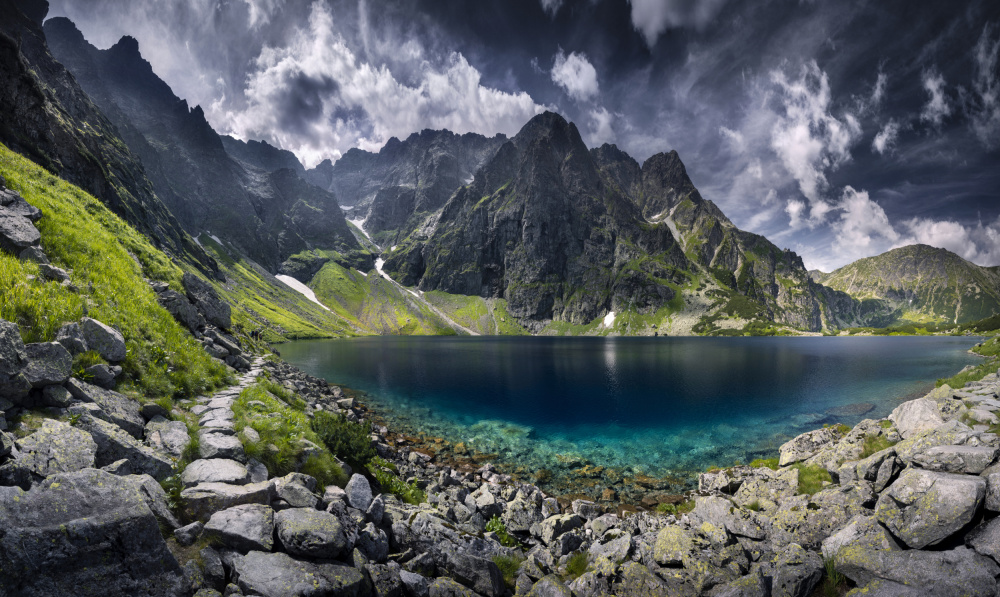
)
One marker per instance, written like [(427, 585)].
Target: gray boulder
[(672, 544), (310, 533), (114, 444), (862, 531), (924, 508), (220, 445), (635, 580), (207, 301), (188, 534), (117, 408), (914, 416), (17, 233), (955, 573), (86, 533), (215, 470), (101, 375), (246, 528), (373, 542), (48, 363), (446, 587), (155, 497), (985, 539), (206, 499), (970, 460), (57, 448), (797, 572), (359, 492), (181, 308), (521, 514), (807, 445), (550, 586), (280, 575), (721, 513), (56, 396), (993, 492), (385, 578), (107, 341), (35, 255), (557, 524), (414, 584), (53, 273), (294, 489), (12, 353), (169, 437), (479, 574), (19, 207), (71, 337)]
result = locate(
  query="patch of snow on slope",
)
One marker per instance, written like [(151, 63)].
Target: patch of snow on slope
[(196, 241), (609, 319), (301, 289)]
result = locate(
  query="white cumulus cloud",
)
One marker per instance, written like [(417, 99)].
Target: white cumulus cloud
[(863, 228), (575, 74), (652, 18), (316, 98), (600, 127), (938, 107), (979, 244), (808, 139)]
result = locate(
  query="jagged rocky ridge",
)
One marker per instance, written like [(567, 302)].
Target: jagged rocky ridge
[(48, 117), (569, 234), (267, 214), (923, 282)]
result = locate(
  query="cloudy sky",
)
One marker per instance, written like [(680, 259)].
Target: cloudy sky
[(836, 128)]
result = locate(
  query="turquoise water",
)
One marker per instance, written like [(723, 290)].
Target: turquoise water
[(664, 407)]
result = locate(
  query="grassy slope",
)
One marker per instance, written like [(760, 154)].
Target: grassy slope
[(108, 261), (484, 316)]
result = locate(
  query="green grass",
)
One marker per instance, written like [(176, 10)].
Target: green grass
[(576, 565), (383, 472), (280, 428), (108, 261), (509, 565), (484, 316), (676, 509), (834, 583), (811, 478), (771, 463), (349, 441), (874, 444), (496, 525), (753, 506)]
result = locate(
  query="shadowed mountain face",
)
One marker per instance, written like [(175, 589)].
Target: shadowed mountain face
[(567, 233), (50, 118), (396, 189), (267, 213), (923, 282)]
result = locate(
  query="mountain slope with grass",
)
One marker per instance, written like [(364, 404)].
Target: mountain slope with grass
[(925, 284)]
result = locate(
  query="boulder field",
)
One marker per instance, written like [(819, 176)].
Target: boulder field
[(906, 505)]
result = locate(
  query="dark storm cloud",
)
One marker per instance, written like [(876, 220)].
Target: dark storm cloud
[(838, 129)]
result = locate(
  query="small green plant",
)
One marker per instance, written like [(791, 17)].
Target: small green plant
[(390, 483), (173, 486), (834, 583), (885, 424), (509, 565), (576, 565), (771, 463), (754, 506), (347, 440), (811, 478), (676, 509), (84, 360), (873, 444), (496, 525)]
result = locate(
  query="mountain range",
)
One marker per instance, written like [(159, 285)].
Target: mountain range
[(438, 232)]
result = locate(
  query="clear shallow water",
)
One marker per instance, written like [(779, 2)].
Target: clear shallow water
[(664, 407)]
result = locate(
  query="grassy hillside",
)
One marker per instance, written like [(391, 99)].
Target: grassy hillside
[(108, 262)]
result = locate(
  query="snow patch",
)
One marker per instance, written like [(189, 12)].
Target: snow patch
[(196, 241), (609, 319), (301, 289), (216, 239), (360, 223), (393, 247)]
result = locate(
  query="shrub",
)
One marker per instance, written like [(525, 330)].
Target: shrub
[(811, 478), (576, 565), (496, 525), (508, 565), (390, 483), (350, 441)]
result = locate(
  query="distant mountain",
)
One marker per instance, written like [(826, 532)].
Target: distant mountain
[(50, 119), (396, 189), (923, 283), (569, 234), (268, 214)]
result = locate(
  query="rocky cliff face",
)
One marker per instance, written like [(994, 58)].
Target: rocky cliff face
[(268, 215), (569, 234), (396, 189), (49, 118), (923, 283)]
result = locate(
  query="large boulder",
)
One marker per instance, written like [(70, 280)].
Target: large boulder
[(57, 448), (359, 492), (721, 513), (116, 408), (550, 586), (17, 233), (479, 574), (985, 539), (557, 524), (635, 580), (71, 337), (247, 527), (83, 533), (280, 575), (862, 531), (960, 572), (970, 460), (169, 437), (215, 470), (181, 308), (672, 544), (924, 508), (107, 341), (310, 533), (12, 353), (807, 445), (155, 497), (207, 301), (113, 444), (49, 363), (797, 572), (914, 416), (206, 499)]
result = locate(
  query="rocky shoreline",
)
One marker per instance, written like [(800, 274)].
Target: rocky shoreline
[(900, 506)]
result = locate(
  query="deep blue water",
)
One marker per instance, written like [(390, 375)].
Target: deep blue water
[(655, 405)]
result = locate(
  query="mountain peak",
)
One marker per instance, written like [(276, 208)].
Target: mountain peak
[(126, 46)]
